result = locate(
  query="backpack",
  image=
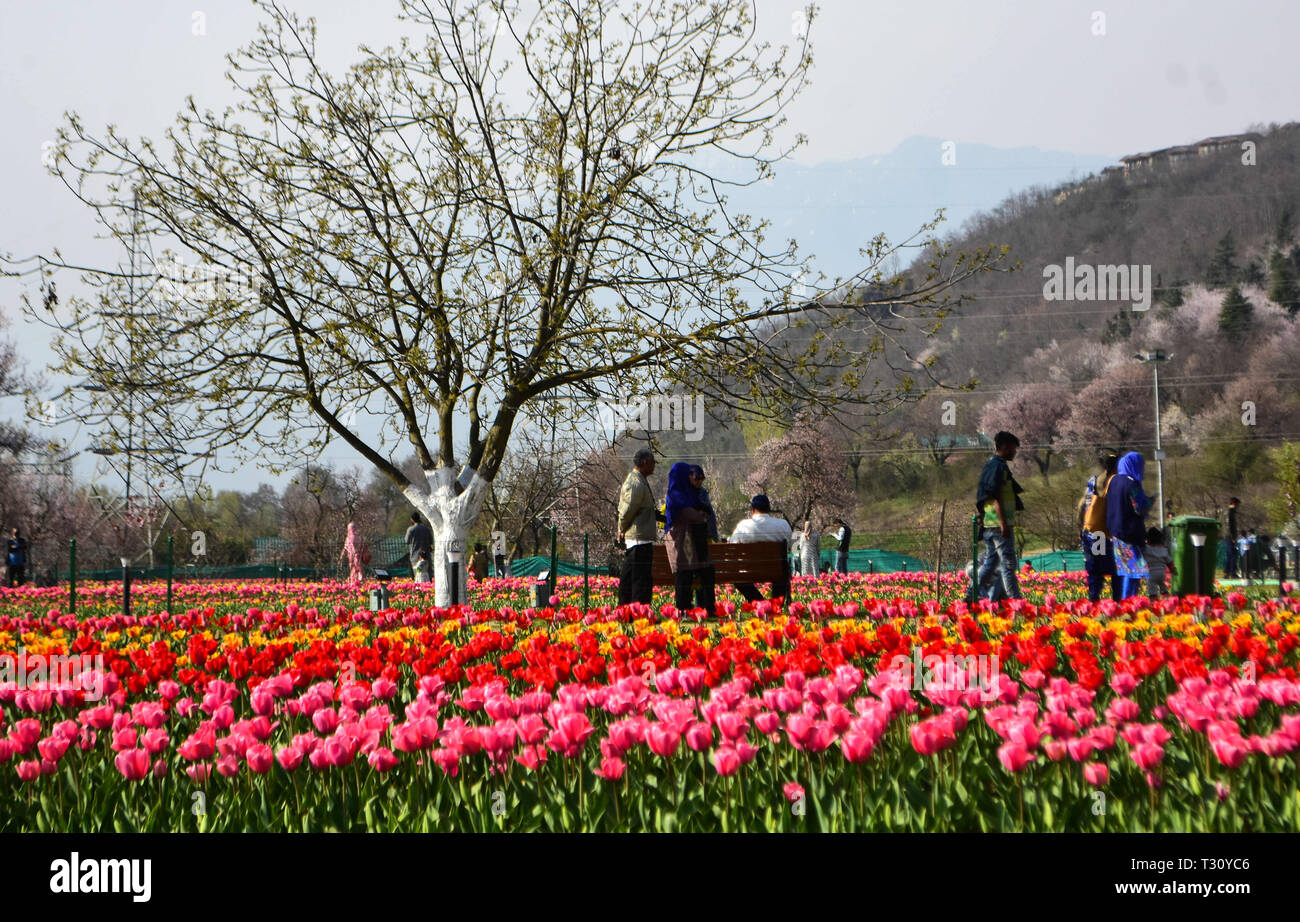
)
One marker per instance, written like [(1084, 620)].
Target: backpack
[(1094, 517)]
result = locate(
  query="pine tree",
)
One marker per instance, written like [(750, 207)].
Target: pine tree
[(1235, 316), (1283, 289), (1222, 270), (1285, 227)]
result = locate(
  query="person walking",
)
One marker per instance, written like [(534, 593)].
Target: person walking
[(796, 550), (844, 535), (697, 481), (1230, 565), (16, 560), (1126, 509), (356, 555), (686, 538), (1098, 555), (761, 525), (997, 500), (810, 549), (499, 549), (637, 531), (419, 549), (478, 564)]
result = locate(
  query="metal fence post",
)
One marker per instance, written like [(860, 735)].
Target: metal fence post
[(555, 577), (72, 575), (170, 561)]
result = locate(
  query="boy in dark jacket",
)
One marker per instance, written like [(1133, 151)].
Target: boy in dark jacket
[(998, 500)]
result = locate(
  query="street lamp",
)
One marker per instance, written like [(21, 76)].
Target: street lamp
[(454, 551), (1154, 358), (1198, 542)]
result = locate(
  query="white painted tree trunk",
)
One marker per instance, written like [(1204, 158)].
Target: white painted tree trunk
[(450, 515)]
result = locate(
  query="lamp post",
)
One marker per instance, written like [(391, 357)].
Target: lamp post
[(1198, 542), (454, 551), (126, 585), (1154, 358)]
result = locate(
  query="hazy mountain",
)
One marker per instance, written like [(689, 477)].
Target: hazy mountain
[(834, 209)]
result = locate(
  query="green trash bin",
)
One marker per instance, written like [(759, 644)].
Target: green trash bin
[(1184, 554)]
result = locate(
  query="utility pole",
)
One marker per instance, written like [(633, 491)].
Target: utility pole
[(1154, 358)]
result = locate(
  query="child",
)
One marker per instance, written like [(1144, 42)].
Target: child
[(1158, 562)]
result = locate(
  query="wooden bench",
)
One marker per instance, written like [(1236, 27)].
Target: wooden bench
[(756, 562)]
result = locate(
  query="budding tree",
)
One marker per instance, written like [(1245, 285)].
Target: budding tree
[(522, 200)]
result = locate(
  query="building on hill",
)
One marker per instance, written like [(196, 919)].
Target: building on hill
[(1172, 156)]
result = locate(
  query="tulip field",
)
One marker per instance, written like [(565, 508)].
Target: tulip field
[(863, 705)]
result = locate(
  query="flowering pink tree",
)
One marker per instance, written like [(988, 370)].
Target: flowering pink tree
[(1034, 413), (1112, 410), (804, 472)]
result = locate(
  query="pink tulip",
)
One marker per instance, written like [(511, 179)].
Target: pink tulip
[(699, 735), (228, 765), (1123, 683), (611, 768), (1054, 749), (133, 763), (857, 747), (29, 771), (1147, 756), (381, 760), (200, 773), (52, 748), (160, 768), (325, 720), (1014, 756), (25, 733), (793, 791), (448, 760), (1096, 774), (663, 741), (289, 757), (726, 760), (259, 758), (1228, 753), (1080, 748)]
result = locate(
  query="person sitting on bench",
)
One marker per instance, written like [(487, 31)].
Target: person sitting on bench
[(761, 525)]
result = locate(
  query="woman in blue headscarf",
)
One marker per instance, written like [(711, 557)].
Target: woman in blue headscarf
[(1126, 509), (686, 538)]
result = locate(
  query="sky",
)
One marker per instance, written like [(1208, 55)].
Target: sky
[(1092, 77)]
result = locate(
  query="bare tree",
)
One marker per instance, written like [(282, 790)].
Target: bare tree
[(428, 238)]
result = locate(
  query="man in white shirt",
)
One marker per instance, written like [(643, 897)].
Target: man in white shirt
[(762, 526)]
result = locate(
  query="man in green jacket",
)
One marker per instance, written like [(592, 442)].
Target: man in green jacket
[(637, 530)]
